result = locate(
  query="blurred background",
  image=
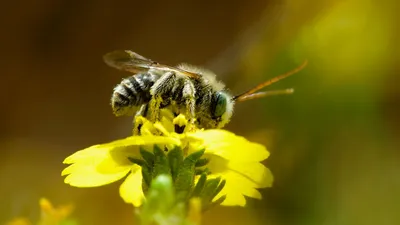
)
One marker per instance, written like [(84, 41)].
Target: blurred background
[(334, 143)]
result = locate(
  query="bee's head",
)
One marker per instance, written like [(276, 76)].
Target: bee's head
[(222, 108)]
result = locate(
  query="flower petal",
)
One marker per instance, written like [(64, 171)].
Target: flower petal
[(242, 178), (257, 173), (107, 161), (87, 176), (236, 187), (103, 164), (230, 146), (166, 120), (96, 150), (149, 140), (131, 189), (88, 154)]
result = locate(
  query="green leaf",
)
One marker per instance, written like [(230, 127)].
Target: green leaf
[(175, 158), (209, 189), (194, 157), (185, 177), (201, 171), (200, 185), (161, 164), (215, 203), (147, 176), (219, 188), (202, 162), (139, 162), (147, 156)]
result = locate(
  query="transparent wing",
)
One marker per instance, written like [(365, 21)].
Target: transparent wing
[(129, 61)]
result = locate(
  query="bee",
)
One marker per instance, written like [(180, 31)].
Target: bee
[(184, 89)]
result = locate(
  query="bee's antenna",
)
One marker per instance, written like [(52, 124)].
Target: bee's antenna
[(266, 93), (250, 94)]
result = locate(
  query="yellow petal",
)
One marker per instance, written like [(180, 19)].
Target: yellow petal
[(257, 173), (242, 179), (131, 189), (230, 146), (166, 120), (106, 163), (97, 151), (148, 129), (159, 126), (88, 154), (117, 159), (167, 114), (148, 140), (102, 160), (236, 187), (88, 176)]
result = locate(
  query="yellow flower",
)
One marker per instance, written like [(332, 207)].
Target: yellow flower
[(233, 158), (194, 212), (51, 215)]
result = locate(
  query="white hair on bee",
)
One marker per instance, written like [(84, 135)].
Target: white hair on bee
[(210, 76)]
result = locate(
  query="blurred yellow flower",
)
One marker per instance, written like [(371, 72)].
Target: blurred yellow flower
[(49, 215), (194, 212), (233, 158), (19, 221)]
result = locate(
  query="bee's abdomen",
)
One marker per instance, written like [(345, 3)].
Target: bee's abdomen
[(132, 92)]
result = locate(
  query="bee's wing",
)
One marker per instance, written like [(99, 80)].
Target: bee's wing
[(129, 61)]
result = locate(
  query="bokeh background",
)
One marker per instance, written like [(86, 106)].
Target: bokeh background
[(334, 144)]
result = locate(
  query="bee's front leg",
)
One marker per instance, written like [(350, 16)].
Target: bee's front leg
[(137, 123), (154, 108), (160, 88), (188, 94)]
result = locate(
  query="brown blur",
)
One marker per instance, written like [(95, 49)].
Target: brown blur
[(334, 143)]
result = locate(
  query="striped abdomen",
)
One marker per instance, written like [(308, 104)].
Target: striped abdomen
[(132, 92)]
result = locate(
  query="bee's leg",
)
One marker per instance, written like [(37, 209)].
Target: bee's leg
[(188, 94), (154, 108), (142, 110), (161, 87), (137, 123)]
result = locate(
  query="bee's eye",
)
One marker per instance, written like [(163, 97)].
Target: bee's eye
[(220, 104)]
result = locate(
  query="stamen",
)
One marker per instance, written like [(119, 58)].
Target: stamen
[(138, 124), (161, 128), (180, 123), (180, 120), (179, 129)]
